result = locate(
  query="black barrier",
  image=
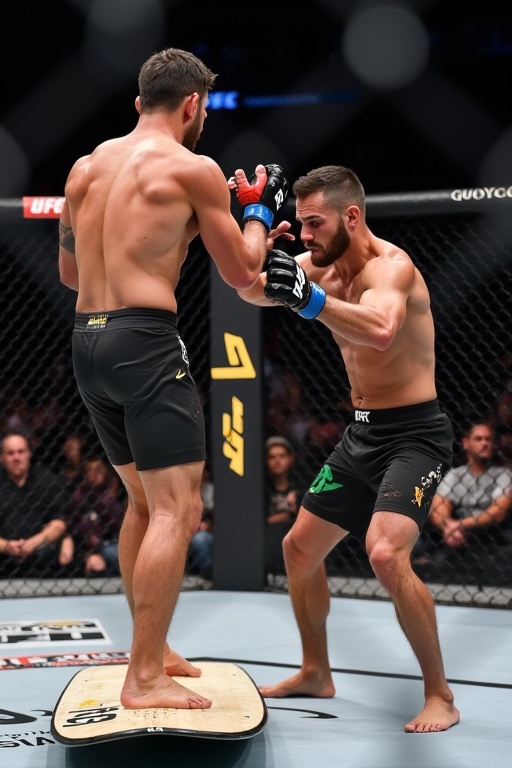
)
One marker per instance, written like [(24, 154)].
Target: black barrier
[(236, 430)]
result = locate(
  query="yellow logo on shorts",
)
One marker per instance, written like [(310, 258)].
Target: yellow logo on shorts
[(97, 321), (418, 496)]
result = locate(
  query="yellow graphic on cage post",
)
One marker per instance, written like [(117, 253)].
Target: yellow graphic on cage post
[(240, 367), (240, 363), (232, 431)]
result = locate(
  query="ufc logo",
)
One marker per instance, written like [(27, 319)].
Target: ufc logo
[(362, 416), (279, 198), (299, 283)]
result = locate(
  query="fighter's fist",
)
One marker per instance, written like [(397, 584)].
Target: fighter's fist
[(249, 190), (263, 195), (288, 284)]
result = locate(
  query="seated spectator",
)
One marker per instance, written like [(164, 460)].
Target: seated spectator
[(90, 547), (282, 499), (33, 508), (200, 553), (468, 518)]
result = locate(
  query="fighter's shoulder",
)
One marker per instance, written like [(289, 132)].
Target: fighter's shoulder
[(207, 166), (391, 260), (79, 165), (390, 252)]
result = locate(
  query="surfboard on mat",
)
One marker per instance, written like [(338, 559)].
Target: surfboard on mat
[(89, 711)]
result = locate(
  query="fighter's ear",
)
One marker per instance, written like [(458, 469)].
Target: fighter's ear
[(137, 105), (353, 214), (191, 105)]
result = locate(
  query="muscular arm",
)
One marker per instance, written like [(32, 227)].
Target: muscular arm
[(378, 317), (239, 256), (381, 311), (68, 271)]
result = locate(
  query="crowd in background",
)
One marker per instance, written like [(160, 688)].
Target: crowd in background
[(71, 481)]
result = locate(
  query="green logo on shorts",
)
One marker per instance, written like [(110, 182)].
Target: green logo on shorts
[(323, 481)]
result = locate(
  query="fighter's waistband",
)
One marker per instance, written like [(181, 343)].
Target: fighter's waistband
[(397, 415), (132, 317)]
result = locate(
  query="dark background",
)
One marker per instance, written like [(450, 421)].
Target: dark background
[(413, 96)]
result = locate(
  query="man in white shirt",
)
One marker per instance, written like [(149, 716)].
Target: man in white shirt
[(470, 511)]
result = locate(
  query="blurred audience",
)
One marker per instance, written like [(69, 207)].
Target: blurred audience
[(282, 499), (33, 508), (500, 419), (73, 461), (200, 553), (90, 547), (467, 533)]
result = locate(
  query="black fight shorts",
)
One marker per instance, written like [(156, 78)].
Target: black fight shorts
[(388, 460), (132, 372)]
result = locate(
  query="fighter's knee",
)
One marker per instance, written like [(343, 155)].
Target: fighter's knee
[(194, 514), (294, 554), (288, 547), (382, 558)]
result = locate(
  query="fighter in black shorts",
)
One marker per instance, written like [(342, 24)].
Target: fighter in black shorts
[(132, 371), (390, 459), (131, 210), (379, 481)]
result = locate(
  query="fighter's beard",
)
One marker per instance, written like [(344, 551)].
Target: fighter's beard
[(336, 248)]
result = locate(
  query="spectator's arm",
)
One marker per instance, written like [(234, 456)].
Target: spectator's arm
[(52, 531), (441, 516), (441, 512), (95, 563), (495, 513), (67, 550)]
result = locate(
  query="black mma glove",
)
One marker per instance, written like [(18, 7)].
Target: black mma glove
[(262, 197), (288, 284)]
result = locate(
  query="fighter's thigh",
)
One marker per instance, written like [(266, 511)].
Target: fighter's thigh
[(134, 488), (311, 537), (392, 533), (174, 490), (409, 485)]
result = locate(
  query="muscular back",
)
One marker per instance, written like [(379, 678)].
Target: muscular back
[(132, 220)]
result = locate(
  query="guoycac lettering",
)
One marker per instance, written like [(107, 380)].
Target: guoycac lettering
[(481, 193), (232, 431)]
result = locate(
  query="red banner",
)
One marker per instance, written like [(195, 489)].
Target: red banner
[(42, 207), (39, 660)]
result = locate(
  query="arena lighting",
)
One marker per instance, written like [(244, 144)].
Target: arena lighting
[(234, 100)]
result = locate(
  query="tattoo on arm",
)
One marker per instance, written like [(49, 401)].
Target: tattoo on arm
[(66, 238)]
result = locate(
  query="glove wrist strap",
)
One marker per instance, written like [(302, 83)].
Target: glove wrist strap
[(259, 212), (315, 304)]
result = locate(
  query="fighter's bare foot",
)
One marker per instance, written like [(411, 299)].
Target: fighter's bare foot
[(176, 665), (302, 684), (160, 691), (437, 715)]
